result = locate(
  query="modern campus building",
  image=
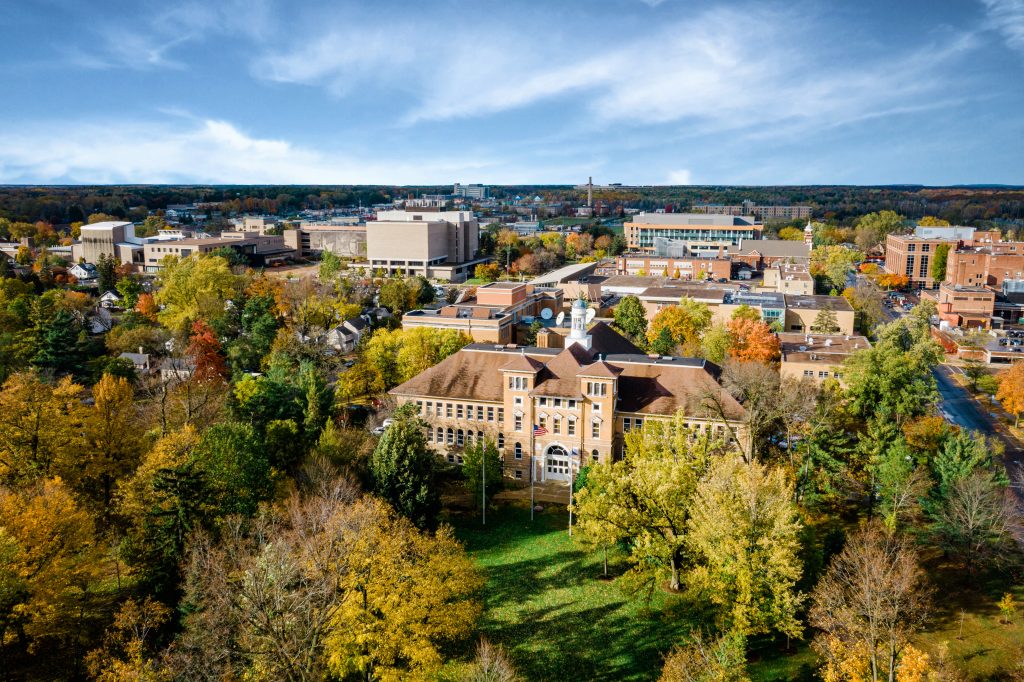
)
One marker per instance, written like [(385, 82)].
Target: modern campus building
[(676, 268), (550, 410), (912, 254), (346, 238), (702, 231), (470, 191), (441, 244)]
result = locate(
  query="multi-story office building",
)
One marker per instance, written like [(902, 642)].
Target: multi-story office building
[(987, 265), (912, 254), (789, 279), (762, 213), (677, 268), (441, 244), (710, 230), (471, 191), (342, 238), (551, 411), (817, 357), (104, 239)]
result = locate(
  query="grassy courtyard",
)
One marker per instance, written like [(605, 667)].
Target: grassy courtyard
[(546, 605)]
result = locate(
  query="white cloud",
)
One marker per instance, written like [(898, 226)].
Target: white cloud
[(680, 177), (196, 150), (209, 151), (1007, 16), (755, 68)]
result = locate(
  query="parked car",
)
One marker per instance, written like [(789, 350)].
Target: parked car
[(379, 430)]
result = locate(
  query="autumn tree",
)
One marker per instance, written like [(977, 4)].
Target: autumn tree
[(753, 341), (744, 533), (41, 429), (52, 563), (707, 660), (826, 321), (647, 496), (205, 352), (631, 317), (490, 665), (128, 651), (872, 229), (716, 343), (112, 446), (685, 323), (330, 266), (869, 604), (487, 272), (194, 288), (1011, 390)]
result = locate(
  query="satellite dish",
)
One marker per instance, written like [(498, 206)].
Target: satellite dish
[(560, 319), (546, 313), (591, 314)]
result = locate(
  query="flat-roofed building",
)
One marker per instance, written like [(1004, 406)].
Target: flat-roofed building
[(492, 314), (771, 305), (760, 212), (714, 230), (985, 265), (911, 255), (655, 299), (965, 306), (342, 238), (802, 312), (441, 244), (676, 268), (102, 239), (817, 357)]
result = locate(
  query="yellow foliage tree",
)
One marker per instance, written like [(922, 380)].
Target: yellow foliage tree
[(41, 428), (1011, 390), (112, 440)]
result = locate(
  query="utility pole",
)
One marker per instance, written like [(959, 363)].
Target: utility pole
[(483, 484)]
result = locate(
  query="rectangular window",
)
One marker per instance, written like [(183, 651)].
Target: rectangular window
[(518, 423), (822, 375), (570, 428), (448, 410), (501, 415), (627, 423), (638, 423), (479, 413), (460, 438), (558, 402), (543, 402), (419, 406), (542, 422), (519, 474), (595, 430), (558, 424), (469, 412), (909, 272), (490, 414), (458, 411), (517, 401), (595, 408), (501, 441), (451, 437), (572, 404), (808, 372)]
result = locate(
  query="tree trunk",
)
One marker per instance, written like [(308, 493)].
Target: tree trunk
[(605, 547), (675, 573)]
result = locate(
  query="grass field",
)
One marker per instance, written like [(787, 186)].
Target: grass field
[(547, 606)]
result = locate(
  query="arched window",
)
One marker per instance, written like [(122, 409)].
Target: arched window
[(451, 436), (595, 456), (518, 450), (479, 436)]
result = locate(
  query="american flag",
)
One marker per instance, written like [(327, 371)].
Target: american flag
[(539, 430)]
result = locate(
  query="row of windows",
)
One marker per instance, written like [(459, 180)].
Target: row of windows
[(629, 423), (518, 383), (822, 374), (597, 389), (557, 402), (461, 437), (459, 411)]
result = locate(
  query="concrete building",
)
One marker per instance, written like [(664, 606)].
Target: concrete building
[(260, 250), (551, 411), (676, 268), (491, 316), (435, 244), (104, 239), (654, 299), (817, 357), (341, 238), (470, 191), (260, 224), (710, 229), (762, 213)]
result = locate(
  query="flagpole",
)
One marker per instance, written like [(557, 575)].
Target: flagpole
[(571, 462), (483, 484), (533, 466)]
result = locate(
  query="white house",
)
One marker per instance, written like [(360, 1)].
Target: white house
[(110, 299), (83, 272)]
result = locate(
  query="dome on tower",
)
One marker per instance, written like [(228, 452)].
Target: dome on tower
[(580, 304)]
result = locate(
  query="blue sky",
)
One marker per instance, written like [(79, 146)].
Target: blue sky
[(546, 91)]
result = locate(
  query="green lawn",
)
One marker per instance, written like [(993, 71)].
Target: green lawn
[(545, 604)]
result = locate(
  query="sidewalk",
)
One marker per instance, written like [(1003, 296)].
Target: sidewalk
[(551, 492)]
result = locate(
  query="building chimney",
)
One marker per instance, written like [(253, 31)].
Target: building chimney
[(590, 191)]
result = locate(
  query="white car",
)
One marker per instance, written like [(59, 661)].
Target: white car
[(378, 431)]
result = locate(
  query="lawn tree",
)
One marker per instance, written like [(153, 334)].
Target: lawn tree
[(595, 529), (631, 318), (744, 534), (871, 601), (707, 660), (976, 519), (973, 369), (481, 467), (647, 497), (404, 469), (756, 387), (490, 665), (899, 484), (1011, 390)]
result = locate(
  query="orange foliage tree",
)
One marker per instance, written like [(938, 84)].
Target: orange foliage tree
[(753, 341), (1011, 390), (205, 350)]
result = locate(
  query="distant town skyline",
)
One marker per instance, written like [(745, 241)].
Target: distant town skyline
[(631, 91)]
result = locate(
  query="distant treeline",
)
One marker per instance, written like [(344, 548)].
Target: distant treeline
[(67, 204)]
